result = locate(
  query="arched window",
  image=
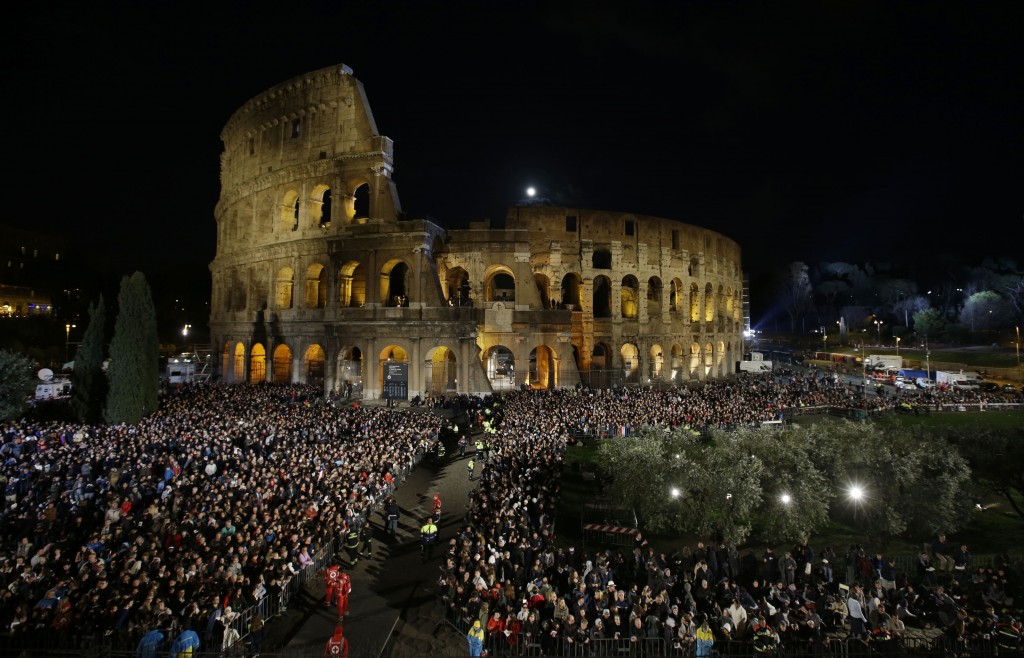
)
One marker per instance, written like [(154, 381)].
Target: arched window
[(352, 285), (282, 364), (572, 288), (316, 286), (258, 363), (290, 211), (629, 293), (694, 303), (602, 259)]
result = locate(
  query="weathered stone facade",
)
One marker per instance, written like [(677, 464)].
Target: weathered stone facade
[(319, 277)]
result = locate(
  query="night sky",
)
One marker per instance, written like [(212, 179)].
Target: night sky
[(804, 130)]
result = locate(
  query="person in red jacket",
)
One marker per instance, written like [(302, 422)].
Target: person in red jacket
[(344, 589), (331, 582), (337, 646), (437, 508)]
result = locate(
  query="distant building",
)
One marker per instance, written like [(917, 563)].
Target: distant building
[(30, 267), (320, 278)]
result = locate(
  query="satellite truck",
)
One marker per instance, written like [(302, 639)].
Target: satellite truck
[(52, 387)]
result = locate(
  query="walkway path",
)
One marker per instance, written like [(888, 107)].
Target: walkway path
[(393, 593)]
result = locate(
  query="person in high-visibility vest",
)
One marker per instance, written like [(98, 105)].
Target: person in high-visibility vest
[(428, 537), (337, 646), (352, 545), (475, 638), (470, 467)]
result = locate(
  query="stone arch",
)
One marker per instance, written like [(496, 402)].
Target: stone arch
[(630, 362), (257, 363), (238, 372), (390, 353), (709, 303), (572, 291), (360, 200), (657, 363), (602, 297), (500, 364), (352, 285), (654, 296), (395, 283), (543, 368), (456, 281), (350, 370), (601, 259), (283, 288), (441, 371), (543, 284), (313, 364), (694, 359), (316, 286), (290, 211), (629, 294), (601, 366), (320, 206), (709, 357), (282, 364), (675, 295), (677, 365), (694, 303), (499, 284)]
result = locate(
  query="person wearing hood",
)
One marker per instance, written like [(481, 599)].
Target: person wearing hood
[(475, 638)]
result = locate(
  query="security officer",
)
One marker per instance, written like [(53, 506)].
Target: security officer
[(470, 467), (393, 513), (428, 537), (480, 446), (352, 545), (441, 450)]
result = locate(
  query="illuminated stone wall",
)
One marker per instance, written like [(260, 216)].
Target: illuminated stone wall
[(319, 277)]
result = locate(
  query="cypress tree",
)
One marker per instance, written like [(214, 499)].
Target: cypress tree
[(133, 372), (89, 384), (16, 382)]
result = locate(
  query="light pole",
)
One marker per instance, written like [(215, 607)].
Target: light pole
[(1018, 355), (897, 345), (927, 355), (878, 326), (67, 339)]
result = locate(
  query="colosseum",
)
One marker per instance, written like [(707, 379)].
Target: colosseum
[(319, 277)]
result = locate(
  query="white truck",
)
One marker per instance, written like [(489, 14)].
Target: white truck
[(884, 362), (959, 380), (755, 366)]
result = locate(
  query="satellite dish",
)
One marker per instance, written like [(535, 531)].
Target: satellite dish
[(45, 374)]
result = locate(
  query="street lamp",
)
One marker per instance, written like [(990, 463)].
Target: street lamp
[(878, 326), (897, 345), (67, 339)]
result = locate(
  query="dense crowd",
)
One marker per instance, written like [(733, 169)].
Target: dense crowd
[(219, 499), (192, 515), (506, 573)]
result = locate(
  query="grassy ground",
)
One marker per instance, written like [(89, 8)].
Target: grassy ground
[(994, 529)]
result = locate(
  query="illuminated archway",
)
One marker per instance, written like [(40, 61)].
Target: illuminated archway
[(282, 364), (630, 362), (720, 359), (657, 361), (543, 368), (457, 287), (352, 285), (571, 292), (350, 371), (500, 364), (258, 363), (395, 283), (677, 362), (239, 366), (694, 359), (499, 285), (654, 297), (316, 286), (314, 365), (441, 371), (709, 303), (629, 293), (709, 356)]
